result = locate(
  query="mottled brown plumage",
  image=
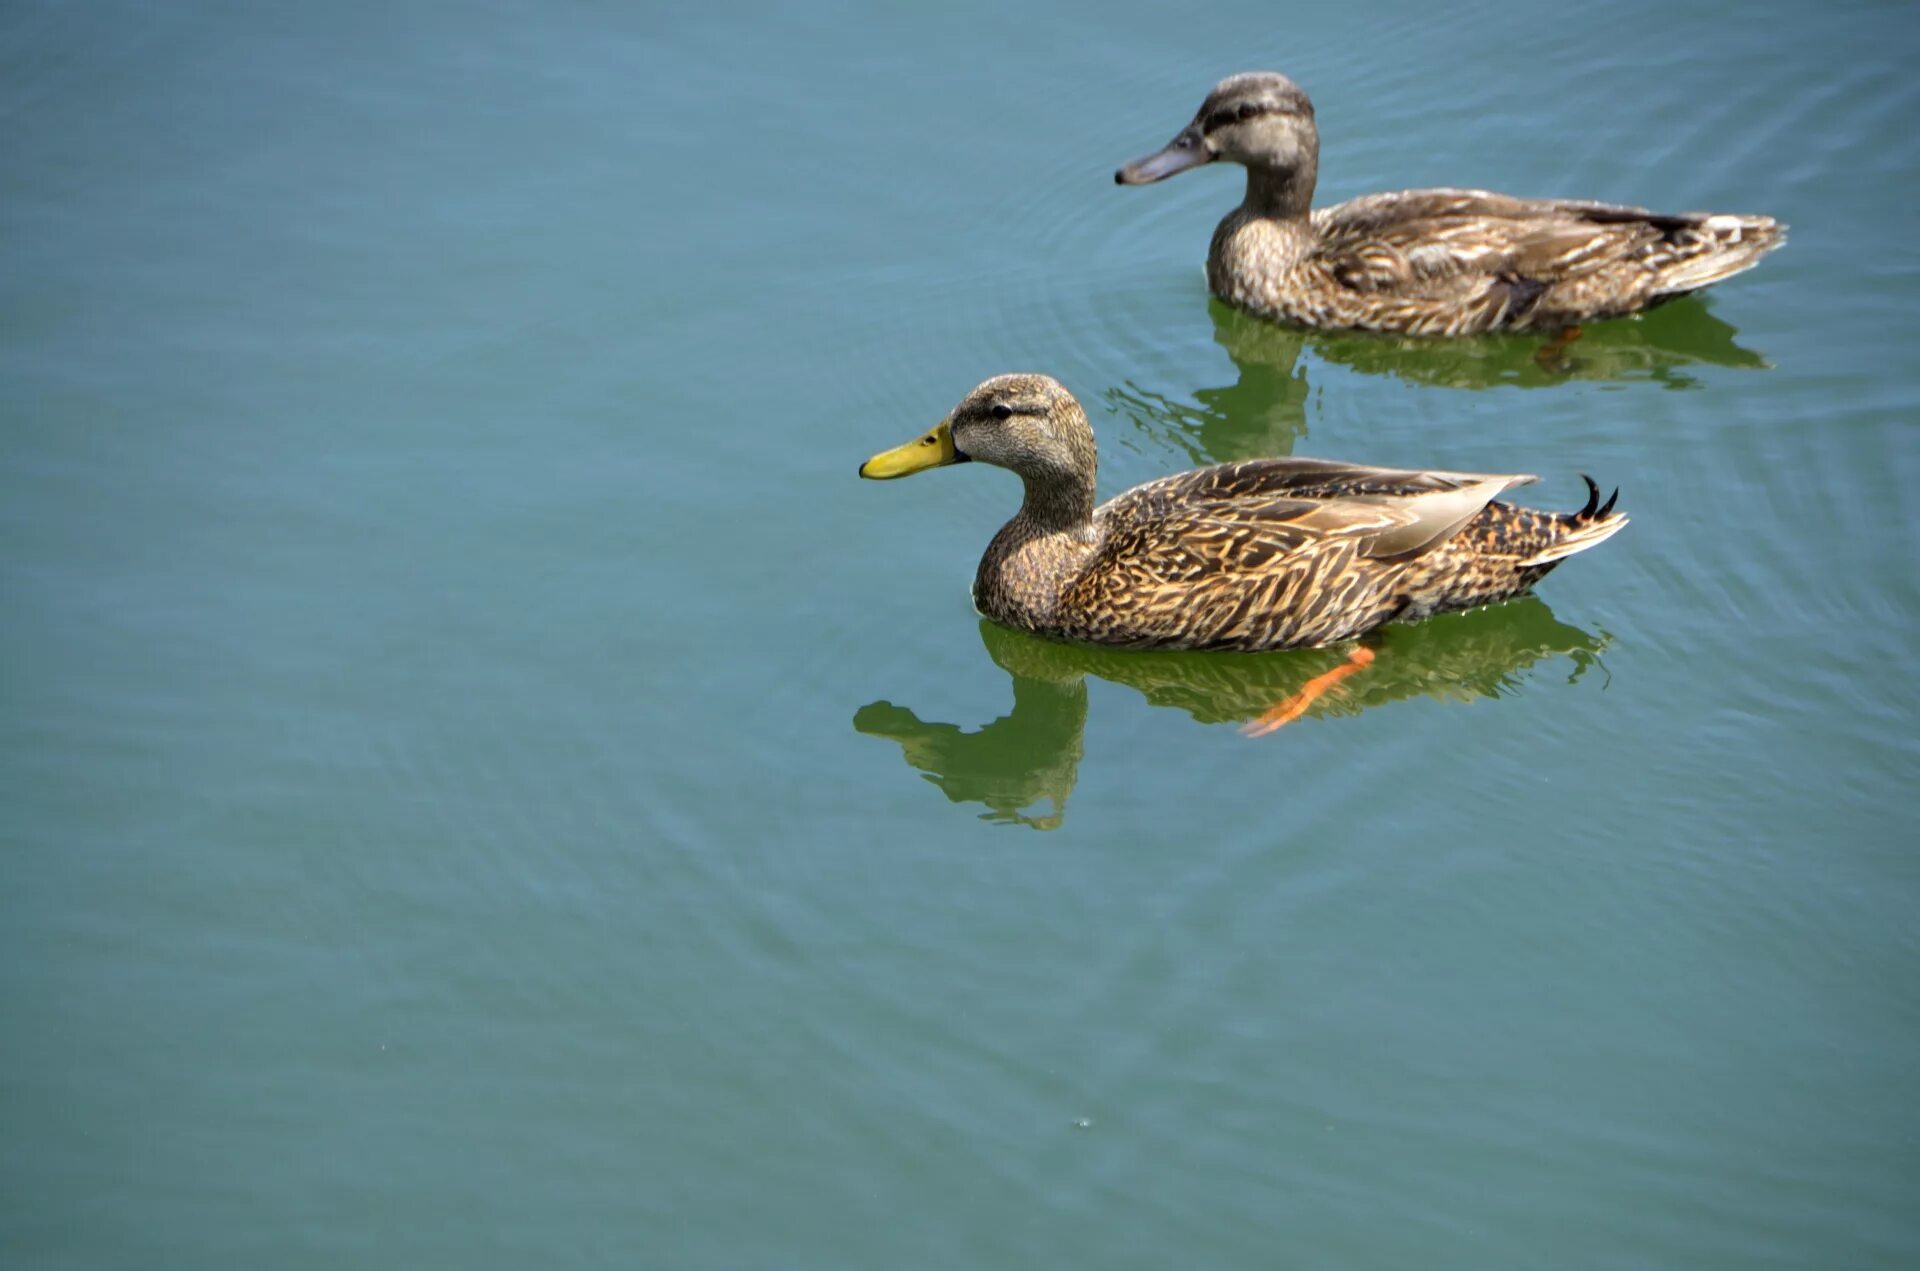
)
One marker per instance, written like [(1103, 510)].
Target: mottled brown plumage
[(1428, 262), (1261, 554)]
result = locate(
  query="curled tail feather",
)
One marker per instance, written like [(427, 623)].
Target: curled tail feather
[(1589, 527)]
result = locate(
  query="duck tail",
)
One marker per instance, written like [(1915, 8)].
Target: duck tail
[(1591, 526), (1716, 247)]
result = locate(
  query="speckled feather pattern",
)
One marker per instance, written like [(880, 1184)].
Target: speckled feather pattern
[(1261, 554), (1462, 262), (1441, 262)]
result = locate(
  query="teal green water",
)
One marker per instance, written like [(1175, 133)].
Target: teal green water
[(483, 784)]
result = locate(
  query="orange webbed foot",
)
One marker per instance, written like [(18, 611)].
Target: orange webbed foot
[(1314, 689)]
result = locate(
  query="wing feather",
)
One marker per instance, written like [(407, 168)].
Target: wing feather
[(1229, 544), (1442, 240)]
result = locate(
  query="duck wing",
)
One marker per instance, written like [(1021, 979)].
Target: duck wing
[(1268, 552), (1386, 241), (1498, 256)]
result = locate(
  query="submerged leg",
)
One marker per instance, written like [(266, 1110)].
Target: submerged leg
[(1552, 356), (1314, 689)]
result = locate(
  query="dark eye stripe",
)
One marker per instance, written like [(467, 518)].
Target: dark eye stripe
[(1242, 110)]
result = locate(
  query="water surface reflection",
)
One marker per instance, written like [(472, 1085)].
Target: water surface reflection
[(1030, 756), (1264, 412)]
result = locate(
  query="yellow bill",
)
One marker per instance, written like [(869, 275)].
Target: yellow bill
[(935, 450)]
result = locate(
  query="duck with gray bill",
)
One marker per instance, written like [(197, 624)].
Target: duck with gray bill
[(1428, 262)]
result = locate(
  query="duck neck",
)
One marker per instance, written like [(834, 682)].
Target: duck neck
[(1281, 194), (1031, 560), (1056, 502)]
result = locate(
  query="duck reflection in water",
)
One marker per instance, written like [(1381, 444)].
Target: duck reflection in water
[(1031, 755), (1264, 412)]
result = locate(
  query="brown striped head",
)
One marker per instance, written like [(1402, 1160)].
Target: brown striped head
[(1260, 119), (1027, 423)]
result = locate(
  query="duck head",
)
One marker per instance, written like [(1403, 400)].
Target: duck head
[(1260, 119), (1027, 423)]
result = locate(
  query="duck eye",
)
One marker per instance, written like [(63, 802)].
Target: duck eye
[(1002, 411)]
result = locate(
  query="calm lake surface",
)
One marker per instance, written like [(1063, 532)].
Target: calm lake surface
[(483, 784)]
